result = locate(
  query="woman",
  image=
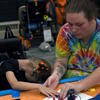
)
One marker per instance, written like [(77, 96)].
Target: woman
[(78, 48), (19, 74)]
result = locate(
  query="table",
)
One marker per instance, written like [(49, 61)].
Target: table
[(35, 95)]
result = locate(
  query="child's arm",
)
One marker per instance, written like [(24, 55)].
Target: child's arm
[(15, 84)]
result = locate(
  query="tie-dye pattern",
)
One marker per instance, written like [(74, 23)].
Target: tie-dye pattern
[(82, 59)]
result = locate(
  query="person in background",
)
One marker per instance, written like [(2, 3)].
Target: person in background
[(77, 48), (97, 3), (56, 9), (25, 74)]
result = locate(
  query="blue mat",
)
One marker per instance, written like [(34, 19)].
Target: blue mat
[(14, 93), (73, 79)]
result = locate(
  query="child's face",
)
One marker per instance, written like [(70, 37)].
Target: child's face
[(29, 76), (29, 73)]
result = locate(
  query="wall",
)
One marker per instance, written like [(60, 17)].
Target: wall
[(9, 9)]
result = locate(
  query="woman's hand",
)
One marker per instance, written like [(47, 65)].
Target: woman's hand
[(76, 86), (52, 81), (48, 91)]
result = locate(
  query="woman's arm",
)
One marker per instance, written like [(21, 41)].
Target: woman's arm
[(15, 84), (59, 70), (92, 79)]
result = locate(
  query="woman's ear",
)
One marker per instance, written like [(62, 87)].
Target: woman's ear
[(93, 18)]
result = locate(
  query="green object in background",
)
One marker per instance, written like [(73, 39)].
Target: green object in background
[(45, 17)]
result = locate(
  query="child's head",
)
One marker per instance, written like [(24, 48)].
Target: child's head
[(41, 69)]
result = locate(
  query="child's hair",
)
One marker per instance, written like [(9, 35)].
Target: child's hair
[(41, 69)]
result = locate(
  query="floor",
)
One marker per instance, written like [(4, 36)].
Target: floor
[(47, 55)]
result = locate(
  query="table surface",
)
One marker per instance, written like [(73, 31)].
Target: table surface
[(35, 95)]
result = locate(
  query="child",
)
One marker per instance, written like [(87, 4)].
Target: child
[(19, 74)]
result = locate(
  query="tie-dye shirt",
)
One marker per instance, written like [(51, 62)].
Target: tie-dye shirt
[(82, 59)]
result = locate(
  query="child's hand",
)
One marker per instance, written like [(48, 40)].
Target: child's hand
[(48, 91)]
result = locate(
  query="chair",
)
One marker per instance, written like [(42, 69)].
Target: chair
[(13, 47)]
